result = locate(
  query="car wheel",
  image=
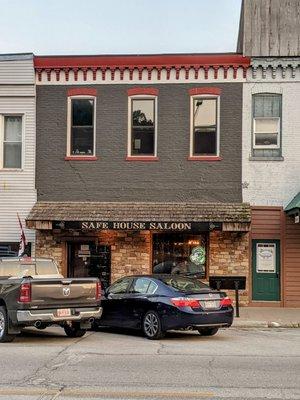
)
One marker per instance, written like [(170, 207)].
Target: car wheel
[(74, 330), (152, 326), (208, 331), (4, 336)]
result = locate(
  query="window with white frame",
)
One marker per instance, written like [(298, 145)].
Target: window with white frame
[(266, 124), (142, 126), (81, 135), (11, 136), (204, 126)]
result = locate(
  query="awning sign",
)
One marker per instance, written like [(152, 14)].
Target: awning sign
[(137, 225)]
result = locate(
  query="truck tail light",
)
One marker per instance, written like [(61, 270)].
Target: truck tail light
[(98, 290), (25, 293), (226, 302), (185, 302)]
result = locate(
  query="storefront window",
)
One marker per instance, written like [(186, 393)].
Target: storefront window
[(180, 253)]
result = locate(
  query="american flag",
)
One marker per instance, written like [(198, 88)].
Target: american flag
[(22, 239)]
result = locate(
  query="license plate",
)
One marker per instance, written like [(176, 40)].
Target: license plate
[(211, 304), (64, 312)]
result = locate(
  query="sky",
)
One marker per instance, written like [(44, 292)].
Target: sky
[(118, 26)]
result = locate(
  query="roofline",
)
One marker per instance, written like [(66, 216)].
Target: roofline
[(117, 60), (16, 56)]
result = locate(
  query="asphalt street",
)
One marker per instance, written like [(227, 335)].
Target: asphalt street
[(234, 364)]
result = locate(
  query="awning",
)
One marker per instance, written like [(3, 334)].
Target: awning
[(139, 215), (293, 208)]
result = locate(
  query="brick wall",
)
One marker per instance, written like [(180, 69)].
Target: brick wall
[(229, 255), (111, 178)]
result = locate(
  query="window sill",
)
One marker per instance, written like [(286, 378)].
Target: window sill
[(254, 158), (11, 170), (205, 158), (81, 158), (141, 158)]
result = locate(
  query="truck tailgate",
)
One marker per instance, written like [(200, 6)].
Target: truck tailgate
[(46, 293)]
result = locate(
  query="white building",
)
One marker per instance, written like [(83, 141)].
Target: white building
[(269, 35), (17, 148)]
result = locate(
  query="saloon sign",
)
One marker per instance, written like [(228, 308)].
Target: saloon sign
[(138, 225)]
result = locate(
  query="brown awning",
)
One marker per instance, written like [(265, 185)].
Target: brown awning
[(233, 214)]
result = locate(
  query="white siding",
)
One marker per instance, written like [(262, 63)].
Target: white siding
[(17, 187), (273, 183)]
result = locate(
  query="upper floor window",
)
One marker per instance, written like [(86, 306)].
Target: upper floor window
[(11, 128), (142, 139), (81, 140), (204, 124), (266, 124)]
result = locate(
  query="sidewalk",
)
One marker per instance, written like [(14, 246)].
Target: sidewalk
[(268, 317)]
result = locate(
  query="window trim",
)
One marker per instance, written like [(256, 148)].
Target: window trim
[(204, 157), (255, 147), (140, 157), (78, 157), (2, 127)]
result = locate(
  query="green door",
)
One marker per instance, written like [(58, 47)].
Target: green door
[(266, 270)]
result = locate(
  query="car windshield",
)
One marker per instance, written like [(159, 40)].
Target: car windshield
[(182, 284), (27, 267)]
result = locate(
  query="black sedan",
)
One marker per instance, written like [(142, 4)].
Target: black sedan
[(158, 303)]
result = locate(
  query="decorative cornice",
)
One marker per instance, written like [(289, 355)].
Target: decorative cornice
[(187, 65), (275, 65)]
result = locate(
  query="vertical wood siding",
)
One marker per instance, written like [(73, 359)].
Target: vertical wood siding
[(17, 188)]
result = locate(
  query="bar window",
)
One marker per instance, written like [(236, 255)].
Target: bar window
[(82, 140), (12, 141), (143, 135), (205, 127), (180, 253), (266, 126)]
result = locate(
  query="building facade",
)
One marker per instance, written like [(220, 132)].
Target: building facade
[(17, 149), (271, 150), (135, 166)]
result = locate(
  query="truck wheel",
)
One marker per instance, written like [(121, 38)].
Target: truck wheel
[(74, 330), (208, 331), (152, 326), (4, 336)]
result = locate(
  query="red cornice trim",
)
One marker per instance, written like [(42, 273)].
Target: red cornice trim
[(141, 158), (141, 60), (82, 92), (205, 158), (142, 90), (81, 158), (205, 90)]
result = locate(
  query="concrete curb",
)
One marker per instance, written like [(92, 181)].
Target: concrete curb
[(264, 324)]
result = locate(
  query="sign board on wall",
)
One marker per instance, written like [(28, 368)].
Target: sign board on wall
[(137, 225), (266, 257)]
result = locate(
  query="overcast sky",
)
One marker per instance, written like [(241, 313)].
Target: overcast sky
[(118, 26)]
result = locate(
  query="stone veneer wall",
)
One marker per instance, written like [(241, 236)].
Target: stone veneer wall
[(131, 253), (229, 255), (46, 246)]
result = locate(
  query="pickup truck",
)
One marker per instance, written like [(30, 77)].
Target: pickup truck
[(34, 293)]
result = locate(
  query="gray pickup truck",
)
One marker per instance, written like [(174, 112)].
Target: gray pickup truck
[(34, 293)]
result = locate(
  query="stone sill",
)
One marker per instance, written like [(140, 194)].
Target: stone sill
[(253, 158)]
